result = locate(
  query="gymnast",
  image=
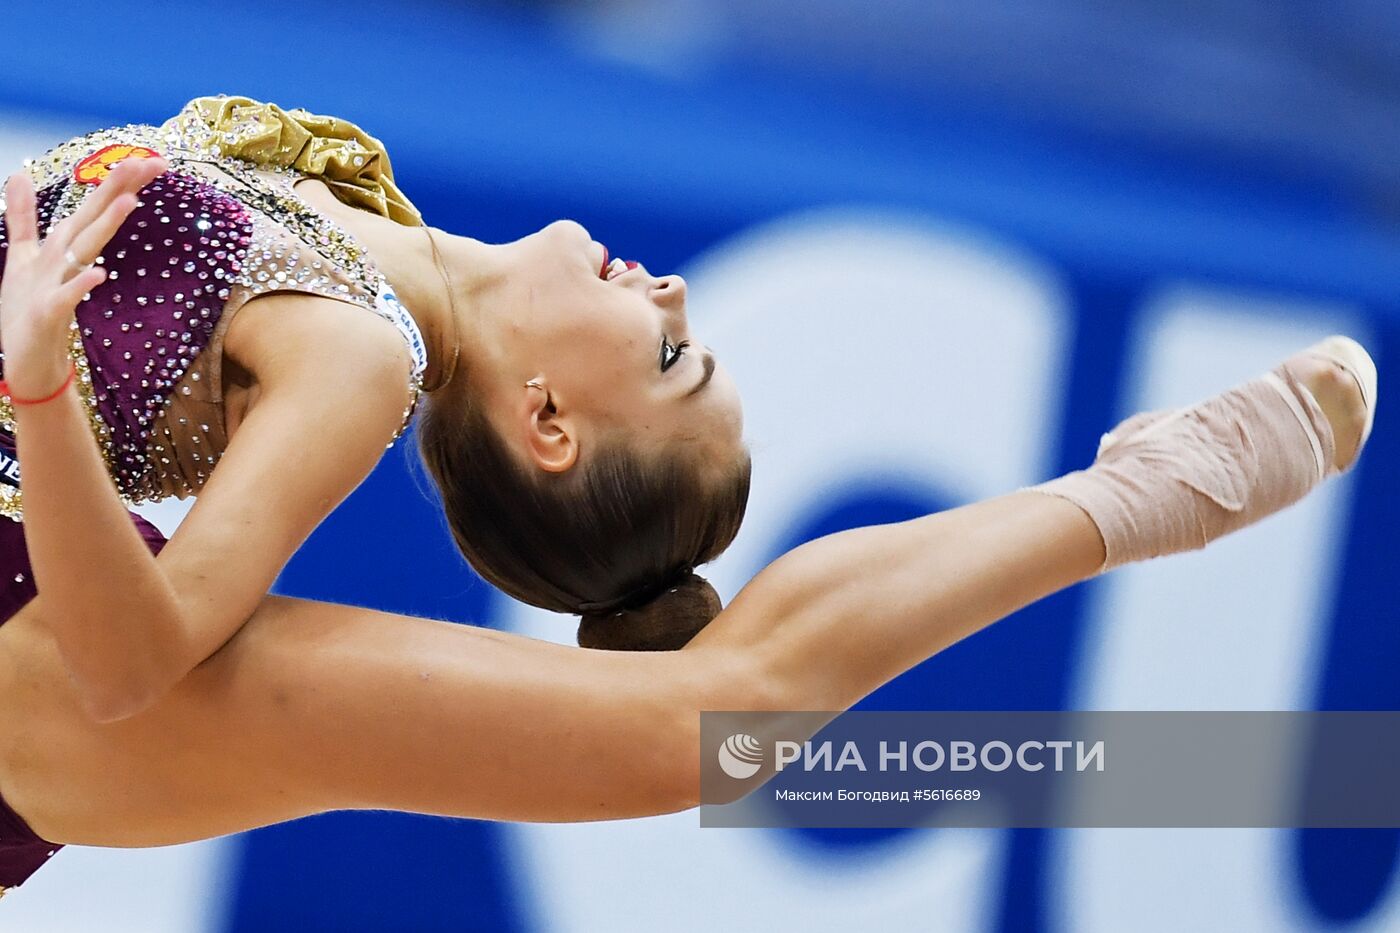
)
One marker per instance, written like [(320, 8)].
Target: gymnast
[(241, 306)]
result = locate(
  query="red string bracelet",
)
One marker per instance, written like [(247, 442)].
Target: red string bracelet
[(72, 374)]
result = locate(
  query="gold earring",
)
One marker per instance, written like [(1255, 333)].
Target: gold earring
[(533, 384)]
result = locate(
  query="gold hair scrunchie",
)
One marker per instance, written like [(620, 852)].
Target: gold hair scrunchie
[(352, 163)]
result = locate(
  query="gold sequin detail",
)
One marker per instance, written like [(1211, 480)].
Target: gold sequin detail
[(352, 163)]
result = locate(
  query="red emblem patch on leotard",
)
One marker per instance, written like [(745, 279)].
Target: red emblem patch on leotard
[(99, 165)]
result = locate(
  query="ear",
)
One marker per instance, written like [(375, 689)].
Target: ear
[(551, 436)]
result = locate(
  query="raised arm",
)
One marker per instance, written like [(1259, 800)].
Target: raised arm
[(128, 625), (86, 554)]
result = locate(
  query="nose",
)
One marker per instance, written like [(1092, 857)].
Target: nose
[(669, 292), (566, 236), (569, 228)]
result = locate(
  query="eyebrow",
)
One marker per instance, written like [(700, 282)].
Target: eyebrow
[(708, 362)]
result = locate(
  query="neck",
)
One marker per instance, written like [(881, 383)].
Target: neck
[(446, 307)]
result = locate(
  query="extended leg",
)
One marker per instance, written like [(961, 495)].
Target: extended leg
[(315, 706)]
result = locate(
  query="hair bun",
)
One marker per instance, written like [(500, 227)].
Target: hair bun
[(666, 623)]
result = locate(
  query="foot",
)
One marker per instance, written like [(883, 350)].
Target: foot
[(1172, 481), (1339, 392), (1339, 374)]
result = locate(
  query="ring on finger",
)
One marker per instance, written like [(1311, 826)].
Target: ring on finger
[(74, 267)]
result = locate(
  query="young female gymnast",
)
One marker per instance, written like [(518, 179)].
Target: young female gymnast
[(141, 715), (277, 306)]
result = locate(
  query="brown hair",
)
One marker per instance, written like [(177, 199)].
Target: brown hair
[(616, 539)]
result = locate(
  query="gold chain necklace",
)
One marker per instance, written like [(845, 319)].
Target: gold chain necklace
[(452, 308)]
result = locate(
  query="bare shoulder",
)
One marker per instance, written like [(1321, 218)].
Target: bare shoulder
[(281, 335)]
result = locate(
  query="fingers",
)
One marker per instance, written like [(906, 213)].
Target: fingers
[(127, 178), (88, 244), (20, 223), (72, 291)]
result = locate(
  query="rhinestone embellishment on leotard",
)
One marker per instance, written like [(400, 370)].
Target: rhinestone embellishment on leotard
[(186, 235), (193, 239)]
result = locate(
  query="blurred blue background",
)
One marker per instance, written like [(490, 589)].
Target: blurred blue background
[(942, 246)]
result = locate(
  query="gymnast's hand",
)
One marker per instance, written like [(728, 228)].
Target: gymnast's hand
[(45, 279)]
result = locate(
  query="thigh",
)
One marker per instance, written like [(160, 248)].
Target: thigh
[(314, 706)]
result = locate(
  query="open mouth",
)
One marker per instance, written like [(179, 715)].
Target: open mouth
[(613, 268)]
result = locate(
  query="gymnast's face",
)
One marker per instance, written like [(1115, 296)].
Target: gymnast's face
[(607, 350)]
